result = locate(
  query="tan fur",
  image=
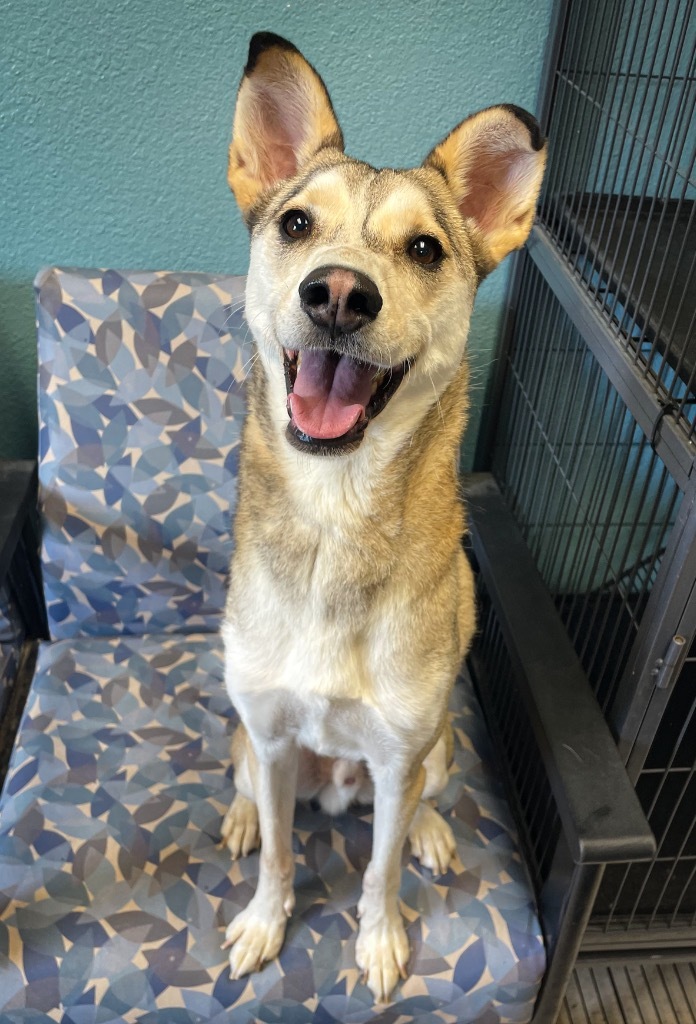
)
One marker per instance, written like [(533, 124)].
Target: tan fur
[(413, 538), (351, 603)]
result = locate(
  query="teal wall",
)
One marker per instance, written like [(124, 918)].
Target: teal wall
[(115, 117)]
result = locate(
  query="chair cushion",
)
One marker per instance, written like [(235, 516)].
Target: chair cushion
[(115, 891), (140, 408)]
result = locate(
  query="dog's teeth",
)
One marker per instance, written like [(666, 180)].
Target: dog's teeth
[(377, 381)]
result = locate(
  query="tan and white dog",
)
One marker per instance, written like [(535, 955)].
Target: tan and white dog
[(351, 603)]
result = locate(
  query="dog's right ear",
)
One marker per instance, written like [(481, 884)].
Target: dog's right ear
[(283, 117)]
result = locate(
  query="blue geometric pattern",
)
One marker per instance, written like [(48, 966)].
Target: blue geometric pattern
[(115, 891), (141, 404)]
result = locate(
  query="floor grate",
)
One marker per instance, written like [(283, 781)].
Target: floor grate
[(636, 993)]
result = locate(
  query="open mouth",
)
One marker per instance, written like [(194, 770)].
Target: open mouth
[(332, 398)]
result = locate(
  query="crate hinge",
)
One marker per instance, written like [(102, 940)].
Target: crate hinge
[(668, 667)]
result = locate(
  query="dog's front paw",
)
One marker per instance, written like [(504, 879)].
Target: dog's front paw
[(240, 827), (382, 952), (432, 840), (255, 935)]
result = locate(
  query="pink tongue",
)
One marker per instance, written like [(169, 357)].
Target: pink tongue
[(330, 393)]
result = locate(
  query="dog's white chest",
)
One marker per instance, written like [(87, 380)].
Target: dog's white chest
[(334, 727), (338, 692)]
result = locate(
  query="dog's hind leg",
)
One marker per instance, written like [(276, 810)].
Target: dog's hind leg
[(431, 837), (240, 826)]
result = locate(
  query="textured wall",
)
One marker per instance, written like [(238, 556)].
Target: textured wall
[(115, 119)]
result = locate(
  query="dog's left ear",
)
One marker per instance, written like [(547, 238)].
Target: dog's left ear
[(283, 117), (494, 164)]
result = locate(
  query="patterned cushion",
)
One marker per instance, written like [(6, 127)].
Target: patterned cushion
[(140, 404), (115, 892)]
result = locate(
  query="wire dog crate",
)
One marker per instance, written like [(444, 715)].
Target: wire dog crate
[(591, 439)]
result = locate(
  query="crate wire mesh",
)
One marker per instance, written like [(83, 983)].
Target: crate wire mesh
[(661, 894), (537, 816), (593, 501), (597, 505), (620, 194)]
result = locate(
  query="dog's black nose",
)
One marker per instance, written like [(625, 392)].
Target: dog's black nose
[(339, 300)]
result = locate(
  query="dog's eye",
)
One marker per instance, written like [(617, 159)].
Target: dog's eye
[(425, 250), (296, 224)]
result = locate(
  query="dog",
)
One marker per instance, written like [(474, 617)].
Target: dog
[(351, 603)]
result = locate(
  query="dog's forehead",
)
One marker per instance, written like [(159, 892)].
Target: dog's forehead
[(338, 192), (380, 202), (400, 204)]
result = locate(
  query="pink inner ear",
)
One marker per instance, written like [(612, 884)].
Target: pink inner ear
[(493, 178), (281, 130)]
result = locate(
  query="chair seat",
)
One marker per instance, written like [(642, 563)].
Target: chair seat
[(115, 890)]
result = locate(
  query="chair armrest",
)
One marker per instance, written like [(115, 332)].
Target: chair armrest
[(20, 570), (600, 813), (18, 486)]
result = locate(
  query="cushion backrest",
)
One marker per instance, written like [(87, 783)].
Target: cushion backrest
[(140, 407)]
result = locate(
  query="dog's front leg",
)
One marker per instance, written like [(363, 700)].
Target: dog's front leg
[(382, 949), (256, 934)]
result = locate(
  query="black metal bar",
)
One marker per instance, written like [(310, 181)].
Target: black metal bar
[(490, 413), (602, 56), (681, 300), (568, 898), (585, 491), (13, 712), (680, 856), (611, 583), (24, 578), (660, 943), (629, 163), (628, 637), (532, 382), (544, 503), (556, 107), (18, 483), (601, 816), (569, 163), (554, 48), (633, 290), (550, 335), (689, 881), (522, 363), (646, 317), (606, 548)]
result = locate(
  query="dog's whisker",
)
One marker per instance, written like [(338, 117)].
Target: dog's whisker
[(247, 366), (437, 398)]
